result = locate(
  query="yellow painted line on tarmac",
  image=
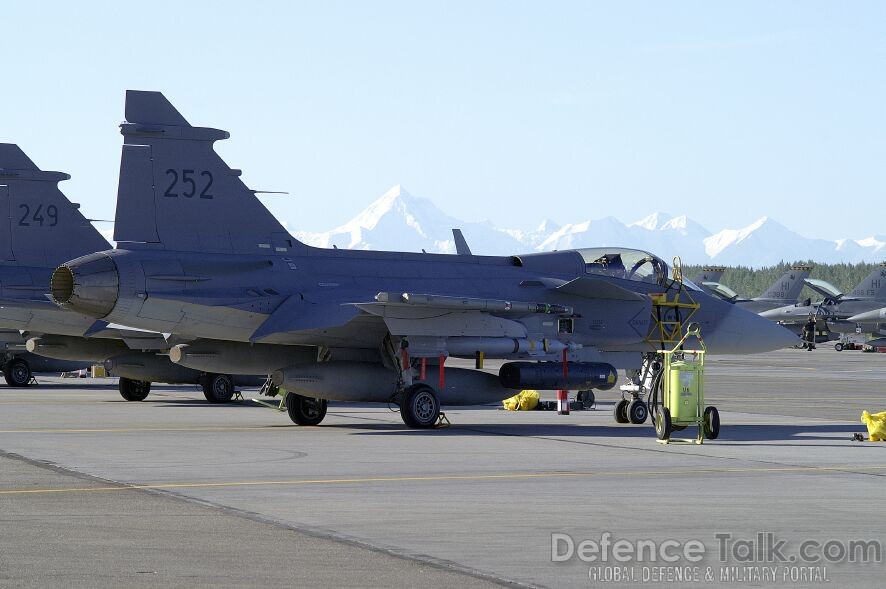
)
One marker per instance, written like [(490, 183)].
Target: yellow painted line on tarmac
[(45, 402), (55, 402), (437, 478), (127, 430), (770, 399)]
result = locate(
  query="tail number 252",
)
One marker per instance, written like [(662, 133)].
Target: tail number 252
[(188, 183)]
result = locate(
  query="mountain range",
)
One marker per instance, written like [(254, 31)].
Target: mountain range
[(400, 221)]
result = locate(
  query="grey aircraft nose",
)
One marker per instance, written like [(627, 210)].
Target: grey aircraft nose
[(788, 313), (874, 316), (739, 331)]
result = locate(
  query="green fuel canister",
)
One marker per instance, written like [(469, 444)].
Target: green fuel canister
[(683, 390)]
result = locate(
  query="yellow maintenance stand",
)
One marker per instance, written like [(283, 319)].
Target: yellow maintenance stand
[(682, 393), (669, 314)]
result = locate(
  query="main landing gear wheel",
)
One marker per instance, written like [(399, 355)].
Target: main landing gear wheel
[(711, 423), (637, 411), (17, 373), (134, 390), (663, 423), (421, 407), (620, 411), (218, 388), (305, 410)]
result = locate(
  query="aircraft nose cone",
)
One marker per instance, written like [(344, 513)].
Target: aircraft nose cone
[(88, 285), (785, 313), (871, 316), (741, 332), (772, 314)]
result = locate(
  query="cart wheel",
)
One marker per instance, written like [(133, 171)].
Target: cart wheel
[(621, 411), (586, 398), (663, 423), (838, 347), (637, 411), (711, 423)]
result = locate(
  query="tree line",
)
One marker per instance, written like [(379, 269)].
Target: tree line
[(750, 282)]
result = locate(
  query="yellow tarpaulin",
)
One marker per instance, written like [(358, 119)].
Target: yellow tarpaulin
[(876, 423), (522, 401)]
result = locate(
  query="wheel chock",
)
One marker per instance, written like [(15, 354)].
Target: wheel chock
[(279, 407)]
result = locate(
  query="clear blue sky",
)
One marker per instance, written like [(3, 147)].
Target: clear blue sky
[(501, 110)]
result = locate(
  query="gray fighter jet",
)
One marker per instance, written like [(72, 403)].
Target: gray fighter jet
[(843, 313), (38, 223), (200, 256), (45, 229), (873, 322), (709, 278), (709, 275), (784, 291)]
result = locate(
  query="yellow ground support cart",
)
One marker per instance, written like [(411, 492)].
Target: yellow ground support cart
[(682, 393)]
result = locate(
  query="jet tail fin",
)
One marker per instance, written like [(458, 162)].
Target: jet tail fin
[(176, 193), (461, 244), (13, 158), (709, 274), (873, 286), (39, 226), (787, 288)]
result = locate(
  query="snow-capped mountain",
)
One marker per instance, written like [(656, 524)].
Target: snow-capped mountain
[(766, 238), (659, 232), (535, 237), (400, 221)]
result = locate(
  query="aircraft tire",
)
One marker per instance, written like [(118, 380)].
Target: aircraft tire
[(620, 411), (134, 390), (838, 347), (218, 388), (637, 411), (421, 407), (587, 398), (711, 423), (305, 410), (17, 373), (663, 423)]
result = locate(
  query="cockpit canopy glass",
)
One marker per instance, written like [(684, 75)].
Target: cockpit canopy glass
[(626, 264), (825, 289), (721, 290)]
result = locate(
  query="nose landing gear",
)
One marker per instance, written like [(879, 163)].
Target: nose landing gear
[(637, 411)]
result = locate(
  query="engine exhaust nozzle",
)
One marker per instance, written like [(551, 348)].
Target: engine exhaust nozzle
[(88, 285)]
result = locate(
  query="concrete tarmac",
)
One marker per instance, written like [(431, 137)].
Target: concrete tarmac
[(172, 491)]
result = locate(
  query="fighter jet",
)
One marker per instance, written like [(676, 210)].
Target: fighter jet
[(37, 223), (870, 321), (784, 291), (45, 229), (709, 275), (843, 313), (200, 256)]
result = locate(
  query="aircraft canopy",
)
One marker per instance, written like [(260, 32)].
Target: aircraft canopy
[(624, 263)]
